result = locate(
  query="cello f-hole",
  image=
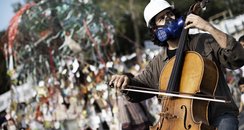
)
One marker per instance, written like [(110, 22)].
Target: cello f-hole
[(185, 116)]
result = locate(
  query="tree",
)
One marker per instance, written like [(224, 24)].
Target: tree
[(128, 21)]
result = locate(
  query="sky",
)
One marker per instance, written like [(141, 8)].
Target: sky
[(6, 12)]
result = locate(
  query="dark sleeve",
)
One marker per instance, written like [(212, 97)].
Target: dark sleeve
[(148, 78), (232, 56), (137, 96)]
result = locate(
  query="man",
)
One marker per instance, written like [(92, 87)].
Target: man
[(217, 46)]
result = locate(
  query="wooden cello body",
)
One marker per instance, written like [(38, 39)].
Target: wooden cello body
[(198, 76)]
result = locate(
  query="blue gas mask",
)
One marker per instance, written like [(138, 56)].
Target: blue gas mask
[(170, 30)]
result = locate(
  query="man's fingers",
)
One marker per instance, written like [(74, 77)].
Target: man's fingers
[(111, 82), (189, 22), (118, 81), (188, 26), (125, 83)]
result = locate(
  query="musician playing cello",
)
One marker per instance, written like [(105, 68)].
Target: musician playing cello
[(215, 45)]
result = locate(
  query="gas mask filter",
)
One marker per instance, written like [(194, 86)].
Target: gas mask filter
[(171, 30)]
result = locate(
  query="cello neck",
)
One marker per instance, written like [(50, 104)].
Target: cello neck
[(176, 72), (175, 76)]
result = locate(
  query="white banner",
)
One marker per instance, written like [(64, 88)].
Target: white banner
[(24, 92)]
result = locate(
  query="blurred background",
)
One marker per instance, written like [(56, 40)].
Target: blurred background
[(57, 55)]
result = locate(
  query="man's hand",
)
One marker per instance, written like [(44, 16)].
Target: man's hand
[(195, 21), (119, 81)]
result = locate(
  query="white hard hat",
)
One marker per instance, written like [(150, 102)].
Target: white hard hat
[(153, 8)]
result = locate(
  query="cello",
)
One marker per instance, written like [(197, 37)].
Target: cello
[(187, 72)]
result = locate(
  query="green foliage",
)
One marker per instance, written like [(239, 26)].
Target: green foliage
[(126, 16)]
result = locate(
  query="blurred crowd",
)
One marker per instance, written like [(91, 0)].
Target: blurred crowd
[(61, 105)]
